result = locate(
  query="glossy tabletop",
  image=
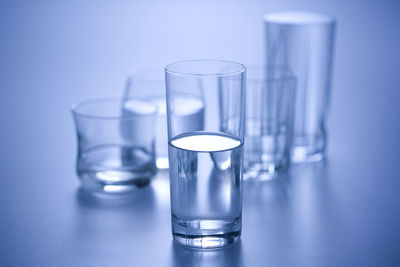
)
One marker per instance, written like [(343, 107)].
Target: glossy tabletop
[(344, 211)]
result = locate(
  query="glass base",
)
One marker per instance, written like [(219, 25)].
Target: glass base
[(303, 154), (263, 171), (206, 233), (91, 182), (310, 148), (206, 241)]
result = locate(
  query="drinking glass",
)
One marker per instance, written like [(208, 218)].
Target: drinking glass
[(269, 120), (115, 148), (205, 166), (303, 42), (149, 84)]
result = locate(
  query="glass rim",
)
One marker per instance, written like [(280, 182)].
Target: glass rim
[(287, 76), (168, 68), (74, 108), (148, 74), (299, 18)]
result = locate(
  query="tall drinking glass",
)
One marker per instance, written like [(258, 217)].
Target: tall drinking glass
[(303, 42), (205, 166), (269, 121)]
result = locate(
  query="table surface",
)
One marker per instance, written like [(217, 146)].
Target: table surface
[(344, 211)]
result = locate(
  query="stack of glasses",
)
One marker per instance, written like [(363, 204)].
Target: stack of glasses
[(201, 122)]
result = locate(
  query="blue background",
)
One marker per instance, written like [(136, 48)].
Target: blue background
[(343, 212)]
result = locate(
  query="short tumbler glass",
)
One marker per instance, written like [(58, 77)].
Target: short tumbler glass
[(115, 148), (269, 121), (205, 167)]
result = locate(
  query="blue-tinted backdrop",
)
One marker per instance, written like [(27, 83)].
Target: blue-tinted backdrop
[(54, 53)]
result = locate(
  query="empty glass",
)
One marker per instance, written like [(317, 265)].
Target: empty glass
[(303, 43), (149, 84), (269, 121), (205, 167), (115, 148)]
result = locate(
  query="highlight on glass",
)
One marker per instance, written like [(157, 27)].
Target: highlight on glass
[(270, 95), (303, 42), (205, 166), (115, 147)]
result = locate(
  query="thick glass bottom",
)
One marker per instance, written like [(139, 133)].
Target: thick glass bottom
[(306, 154), (206, 233), (207, 241), (263, 171), (308, 148), (96, 182), (115, 168)]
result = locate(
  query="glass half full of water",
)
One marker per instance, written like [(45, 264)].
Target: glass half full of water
[(149, 85), (205, 166), (269, 120), (115, 148)]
